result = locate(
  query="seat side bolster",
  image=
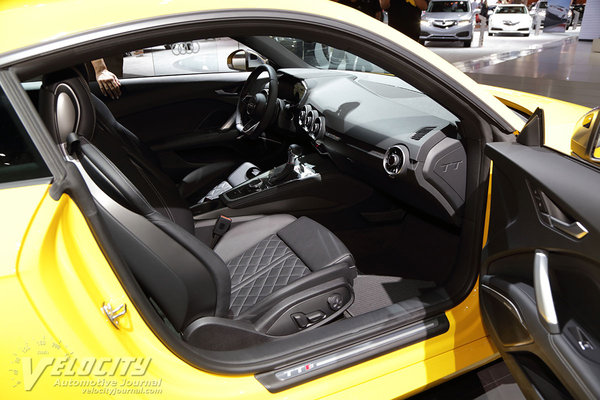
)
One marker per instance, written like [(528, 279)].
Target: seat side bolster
[(175, 279), (135, 199), (213, 263), (101, 168), (315, 245)]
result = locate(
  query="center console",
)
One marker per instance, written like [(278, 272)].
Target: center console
[(304, 183), (292, 171)]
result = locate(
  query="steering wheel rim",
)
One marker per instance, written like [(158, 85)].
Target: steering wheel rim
[(255, 109)]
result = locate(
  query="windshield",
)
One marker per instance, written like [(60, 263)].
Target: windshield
[(511, 10), (543, 5), (322, 56), (448, 6)]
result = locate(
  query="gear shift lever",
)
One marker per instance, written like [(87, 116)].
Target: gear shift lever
[(280, 173)]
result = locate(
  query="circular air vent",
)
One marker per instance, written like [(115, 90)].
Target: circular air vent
[(302, 117), (318, 128), (395, 160)]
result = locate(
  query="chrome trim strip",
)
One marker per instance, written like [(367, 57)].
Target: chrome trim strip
[(26, 182), (543, 291), (342, 355)]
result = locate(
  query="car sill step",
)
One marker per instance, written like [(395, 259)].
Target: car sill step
[(301, 372)]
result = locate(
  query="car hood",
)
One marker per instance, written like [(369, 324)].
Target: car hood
[(560, 116), (447, 15)]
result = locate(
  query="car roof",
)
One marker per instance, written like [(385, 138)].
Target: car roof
[(26, 23)]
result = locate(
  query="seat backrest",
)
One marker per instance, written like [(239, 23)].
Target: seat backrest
[(184, 286)]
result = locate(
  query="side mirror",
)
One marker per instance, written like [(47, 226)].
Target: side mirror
[(243, 60), (585, 142)]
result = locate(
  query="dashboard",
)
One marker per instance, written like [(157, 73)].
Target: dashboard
[(383, 131)]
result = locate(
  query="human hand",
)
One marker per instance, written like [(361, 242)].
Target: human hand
[(109, 84)]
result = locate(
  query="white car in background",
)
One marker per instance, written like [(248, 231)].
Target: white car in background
[(510, 18)]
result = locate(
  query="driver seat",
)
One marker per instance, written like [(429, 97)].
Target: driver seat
[(272, 275), (204, 183)]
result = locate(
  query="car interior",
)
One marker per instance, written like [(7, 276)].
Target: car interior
[(267, 210)]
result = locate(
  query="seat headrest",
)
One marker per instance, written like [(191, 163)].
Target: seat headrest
[(65, 105)]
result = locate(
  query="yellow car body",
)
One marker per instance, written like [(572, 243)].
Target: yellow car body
[(54, 277)]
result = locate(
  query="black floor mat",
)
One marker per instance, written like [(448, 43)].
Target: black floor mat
[(413, 249), (372, 292)]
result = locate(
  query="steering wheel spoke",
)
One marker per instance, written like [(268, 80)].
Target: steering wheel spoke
[(250, 126)]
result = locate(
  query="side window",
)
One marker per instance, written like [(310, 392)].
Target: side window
[(192, 57), (19, 160)]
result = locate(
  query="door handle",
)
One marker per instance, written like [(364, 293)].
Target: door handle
[(224, 93), (552, 215), (543, 292), (574, 229)]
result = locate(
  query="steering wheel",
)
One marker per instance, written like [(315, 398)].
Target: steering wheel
[(257, 103)]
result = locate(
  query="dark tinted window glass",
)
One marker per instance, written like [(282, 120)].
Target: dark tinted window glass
[(511, 10), (448, 6), (19, 160)]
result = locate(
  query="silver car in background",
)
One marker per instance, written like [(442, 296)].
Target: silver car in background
[(448, 20), (538, 11)]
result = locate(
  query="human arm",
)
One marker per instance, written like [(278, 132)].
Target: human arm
[(421, 4), (107, 81)]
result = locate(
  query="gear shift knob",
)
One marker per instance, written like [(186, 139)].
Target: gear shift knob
[(286, 170), (294, 151)]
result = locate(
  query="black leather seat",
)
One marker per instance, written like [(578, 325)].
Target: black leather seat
[(279, 273)]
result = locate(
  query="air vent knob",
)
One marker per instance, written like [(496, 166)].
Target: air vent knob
[(395, 160)]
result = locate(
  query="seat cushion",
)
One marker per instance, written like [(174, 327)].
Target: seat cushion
[(261, 270), (270, 253)]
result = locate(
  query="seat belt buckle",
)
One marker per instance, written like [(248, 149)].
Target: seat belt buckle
[(221, 227)]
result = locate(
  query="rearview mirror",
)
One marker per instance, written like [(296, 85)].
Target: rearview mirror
[(585, 142), (243, 60)]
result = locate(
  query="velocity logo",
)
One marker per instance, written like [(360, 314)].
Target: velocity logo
[(71, 371)]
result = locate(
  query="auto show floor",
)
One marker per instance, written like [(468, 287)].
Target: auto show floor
[(553, 65)]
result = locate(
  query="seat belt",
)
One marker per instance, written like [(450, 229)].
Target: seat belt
[(221, 227)]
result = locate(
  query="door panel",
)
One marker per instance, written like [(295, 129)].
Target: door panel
[(160, 107), (540, 281), (180, 117)]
